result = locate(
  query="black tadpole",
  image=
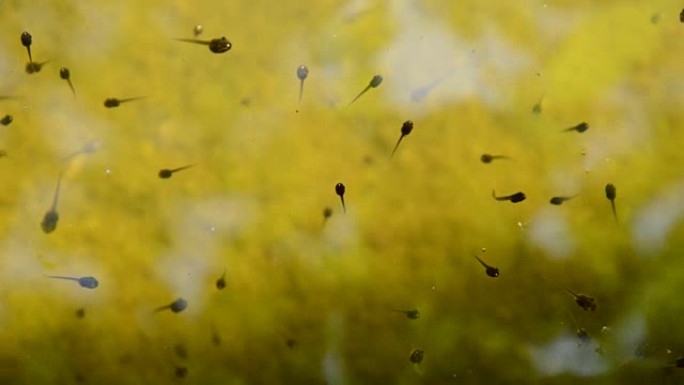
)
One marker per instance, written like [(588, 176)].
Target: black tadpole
[(339, 190), (26, 41), (513, 198), (221, 281), (584, 301), (559, 200), (490, 270), (406, 129), (611, 194), (166, 173), (681, 19), (416, 356), (413, 314), (114, 102), (64, 74), (218, 45), (488, 158), (6, 120), (302, 74), (176, 306), (327, 213), (374, 83), (579, 128)]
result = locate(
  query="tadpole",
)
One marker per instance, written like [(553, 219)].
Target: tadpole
[(87, 282), (413, 314), (302, 74), (488, 158), (167, 173), (490, 270), (584, 301), (6, 120), (49, 223), (611, 194), (33, 67), (339, 190), (582, 127), (374, 83), (65, 74), (26, 41), (513, 198), (114, 102), (176, 306), (416, 356), (406, 129), (218, 45)]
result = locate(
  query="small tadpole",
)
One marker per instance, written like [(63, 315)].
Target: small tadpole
[(538, 107), (416, 356), (80, 313), (406, 129), (176, 306), (114, 102), (327, 213), (374, 83), (611, 194), (490, 270), (26, 41), (87, 282), (584, 301), (339, 190), (88, 148), (582, 127), (167, 173), (410, 314), (197, 30), (6, 120), (221, 281), (302, 74), (218, 45), (49, 223), (181, 371), (34, 67), (488, 158), (65, 74), (513, 198), (559, 200), (681, 16)]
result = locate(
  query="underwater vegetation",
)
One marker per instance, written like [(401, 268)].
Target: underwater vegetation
[(248, 218)]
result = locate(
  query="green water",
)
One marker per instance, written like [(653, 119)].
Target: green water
[(309, 300)]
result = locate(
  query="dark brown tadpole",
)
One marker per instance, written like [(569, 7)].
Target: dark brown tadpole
[(582, 127), (340, 190), (413, 314), (406, 129), (114, 102), (488, 158), (6, 120), (34, 67), (181, 371), (611, 194), (374, 83), (537, 108), (490, 270), (416, 356), (80, 313), (327, 213), (221, 281), (166, 173), (681, 16), (65, 74), (584, 301), (218, 45), (49, 223), (26, 41), (513, 198), (176, 306), (559, 200), (302, 74)]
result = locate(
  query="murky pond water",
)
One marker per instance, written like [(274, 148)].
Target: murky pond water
[(476, 244)]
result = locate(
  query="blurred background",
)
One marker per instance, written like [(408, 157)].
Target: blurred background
[(316, 300)]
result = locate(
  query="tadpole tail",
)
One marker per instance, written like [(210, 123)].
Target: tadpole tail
[(612, 206), (194, 41), (161, 308), (481, 261), (73, 90), (29, 53), (496, 197), (301, 91), (131, 99), (361, 93), (62, 277), (55, 199), (344, 207), (396, 146)]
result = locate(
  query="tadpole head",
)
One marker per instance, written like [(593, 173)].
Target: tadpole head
[(327, 213), (416, 356), (611, 191), (6, 120), (406, 128), (556, 201), (518, 197), (492, 271), (486, 158), (112, 102), (88, 282), (582, 127), (340, 189), (376, 81), (165, 173), (179, 305), (49, 223), (302, 72), (26, 39), (64, 73), (220, 45)]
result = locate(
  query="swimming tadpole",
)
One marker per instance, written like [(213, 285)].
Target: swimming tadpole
[(406, 129), (87, 282), (6, 120), (489, 158), (558, 200), (582, 127), (584, 301), (416, 356), (34, 67), (302, 74), (489, 270), (115, 102), (340, 190), (413, 314), (26, 41), (218, 45), (176, 306), (49, 223), (513, 198), (167, 173), (374, 83), (221, 281), (65, 74)]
